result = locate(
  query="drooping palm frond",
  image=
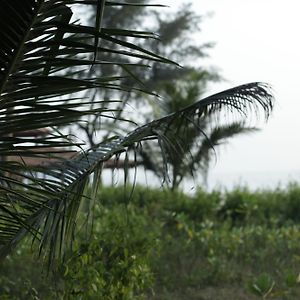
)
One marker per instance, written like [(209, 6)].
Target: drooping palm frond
[(48, 208), (218, 136), (193, 150), (44, 55), (189, 153), (39, 44)]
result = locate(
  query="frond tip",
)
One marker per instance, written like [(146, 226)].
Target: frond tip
[(244, 99)]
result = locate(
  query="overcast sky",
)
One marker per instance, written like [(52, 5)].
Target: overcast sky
[(257, 40)]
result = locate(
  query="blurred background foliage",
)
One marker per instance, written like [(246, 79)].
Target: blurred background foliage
[(190, 153), (174, 32), (168, 245)]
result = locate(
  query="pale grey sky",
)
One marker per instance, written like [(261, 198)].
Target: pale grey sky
[(257, 40)]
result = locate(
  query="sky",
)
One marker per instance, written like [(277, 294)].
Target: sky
[(256, 40)]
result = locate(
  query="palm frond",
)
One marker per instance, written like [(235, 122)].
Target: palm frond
[(191, 141), (47, 208), (40, 44), (218, 136)]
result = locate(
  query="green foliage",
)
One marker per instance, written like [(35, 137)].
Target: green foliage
[(22, 277), (263, 285), (190, 145), (112, 263), (45, 60), (163, 245)]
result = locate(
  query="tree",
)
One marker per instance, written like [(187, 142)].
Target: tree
[(116, 17), (173, 40), (43, 59), (175, 33), (190, 152)]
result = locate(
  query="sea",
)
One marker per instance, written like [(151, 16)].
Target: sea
[(263, 180)]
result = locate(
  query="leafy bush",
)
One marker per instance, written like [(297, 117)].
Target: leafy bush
[(162, 245), (112, 263), (22, 276)]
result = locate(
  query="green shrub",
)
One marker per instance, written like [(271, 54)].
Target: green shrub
[(113, 263), (163, 245)]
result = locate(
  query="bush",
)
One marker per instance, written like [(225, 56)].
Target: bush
[(113, 263), (163, 245)]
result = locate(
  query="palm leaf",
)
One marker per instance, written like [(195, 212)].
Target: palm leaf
[(39, 46), (218, 136), (48, 207)]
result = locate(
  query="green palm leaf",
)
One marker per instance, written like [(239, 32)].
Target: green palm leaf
[(40, 45), (48, 208), (188, 152), (218, 136)]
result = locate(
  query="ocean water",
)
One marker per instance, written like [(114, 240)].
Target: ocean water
[(216, 180), (253, 180)]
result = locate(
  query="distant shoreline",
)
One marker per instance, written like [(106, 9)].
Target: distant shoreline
[(216, 180), (252, 179)]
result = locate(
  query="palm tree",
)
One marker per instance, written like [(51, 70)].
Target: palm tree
[(192, 152), (40, 44), (175, 33)]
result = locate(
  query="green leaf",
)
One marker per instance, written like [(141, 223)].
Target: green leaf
[(39, 46)]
